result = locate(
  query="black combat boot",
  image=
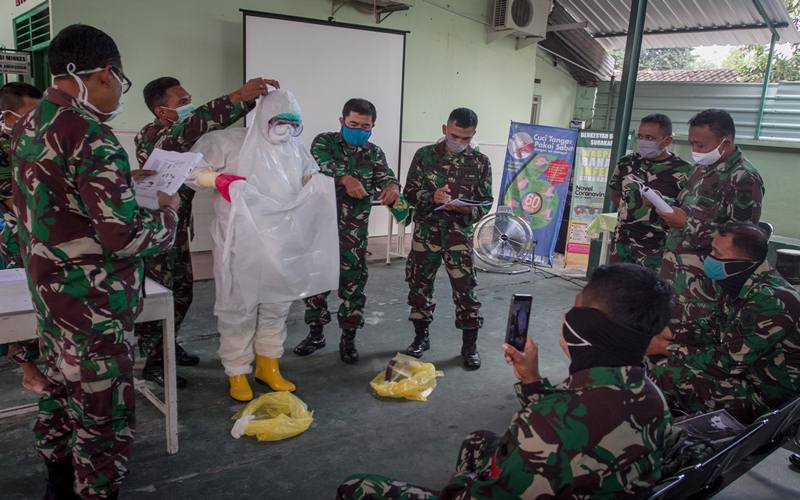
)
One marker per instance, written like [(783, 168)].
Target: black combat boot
[(347, 347), (421, 341), (469, 350), (314, 341), (60, 477), (153, 371), (183, 358)]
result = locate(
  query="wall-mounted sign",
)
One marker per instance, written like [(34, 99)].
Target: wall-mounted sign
[(15, 62)]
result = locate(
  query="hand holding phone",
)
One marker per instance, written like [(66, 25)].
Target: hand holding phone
[(518, 317)]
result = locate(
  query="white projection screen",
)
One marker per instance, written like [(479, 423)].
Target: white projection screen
[(326, 63)]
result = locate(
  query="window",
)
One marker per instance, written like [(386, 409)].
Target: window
[(535, 108), (32, 33)]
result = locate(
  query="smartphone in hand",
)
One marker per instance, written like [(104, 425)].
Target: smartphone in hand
[(518, 316)]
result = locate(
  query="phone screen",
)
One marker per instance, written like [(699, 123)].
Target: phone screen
[(518, 317)]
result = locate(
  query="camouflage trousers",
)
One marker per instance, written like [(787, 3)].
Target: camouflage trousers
[(695, 308), (431, 245), (624, 252), (474, 458), (173, 270), (87, 412), (353, 274)]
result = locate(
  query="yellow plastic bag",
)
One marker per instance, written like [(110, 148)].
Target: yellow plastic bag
[(406, 377), (272, 417)]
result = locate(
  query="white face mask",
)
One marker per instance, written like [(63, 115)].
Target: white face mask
[(7, 128), (83, 95), (649, 149), (279, 134), (709, 158)]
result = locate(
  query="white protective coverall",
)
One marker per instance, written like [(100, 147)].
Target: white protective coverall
[(275, 241)]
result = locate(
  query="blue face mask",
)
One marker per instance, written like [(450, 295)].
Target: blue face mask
[(355, 136), (719, 270), (184, 111)]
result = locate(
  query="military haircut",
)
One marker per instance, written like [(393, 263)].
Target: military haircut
[(632, 296), (718, 120), (84, 46), (463, 118), (11, 95), (361, 107), (661, 120), (155, 91), (747, 238)]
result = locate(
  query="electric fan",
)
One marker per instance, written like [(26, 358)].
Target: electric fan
[(503, 243)]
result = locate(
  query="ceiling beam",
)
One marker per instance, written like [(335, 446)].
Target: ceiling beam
[(677, 31)]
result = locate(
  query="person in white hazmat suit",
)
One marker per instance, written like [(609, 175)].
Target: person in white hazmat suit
[(275, 236)]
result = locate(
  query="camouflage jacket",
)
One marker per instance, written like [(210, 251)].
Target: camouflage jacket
[(637, 224), (367, 163), (5, 168), (81, 231), (598, 434), (468, 174), (180, 137), (756, 353), (9, 247), (729, 191)]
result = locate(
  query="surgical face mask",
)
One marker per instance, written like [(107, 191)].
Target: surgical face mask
[(649, 149), (709, 158), (455, 147), (6, 128), (83, 94), (183, 112), (355, 136), (279, 134), (722, 269)]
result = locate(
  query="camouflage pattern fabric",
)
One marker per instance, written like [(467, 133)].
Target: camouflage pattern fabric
[(564, 443), (367, 164), (641, 234), (753, 365), (26, 351), (83, 237), (173, 269), (445, 235), (729, 191)]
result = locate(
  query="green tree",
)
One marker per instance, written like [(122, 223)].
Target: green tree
[(658, 59)]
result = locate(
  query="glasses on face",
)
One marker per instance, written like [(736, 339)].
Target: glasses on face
[(296, 127), (124, 80)]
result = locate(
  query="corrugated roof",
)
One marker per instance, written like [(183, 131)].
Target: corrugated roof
[(685, 75), (713, 22)]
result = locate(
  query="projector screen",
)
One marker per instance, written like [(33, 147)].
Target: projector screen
[(326, 63)]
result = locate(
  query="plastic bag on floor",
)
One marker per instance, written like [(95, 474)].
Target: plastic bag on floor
[(272, 417), (406, 377)]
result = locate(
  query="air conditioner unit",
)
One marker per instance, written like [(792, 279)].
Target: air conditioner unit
[(524, 19)]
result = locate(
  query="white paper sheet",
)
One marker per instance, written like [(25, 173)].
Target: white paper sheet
[(173, 169), (12, 275)]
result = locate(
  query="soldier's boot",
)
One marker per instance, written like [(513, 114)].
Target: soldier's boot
[(347, 347), (240, 388), (60, 477), (314, 341), (469, 349), (269, 373), (153, 371), (183, 358), (421, 342)]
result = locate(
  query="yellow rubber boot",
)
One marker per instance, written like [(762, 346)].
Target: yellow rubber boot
[(240, 388), (267, 372)]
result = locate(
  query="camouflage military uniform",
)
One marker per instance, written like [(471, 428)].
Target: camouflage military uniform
[(753, 364), (728, 191), (26, 351), (564, 443), (82, 237), (641, 233), (445, 234), (367, 164), (173, 269)]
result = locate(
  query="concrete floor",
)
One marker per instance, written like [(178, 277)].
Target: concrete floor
[(353, 431)]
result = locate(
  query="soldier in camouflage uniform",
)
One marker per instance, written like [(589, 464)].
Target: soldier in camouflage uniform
[(752, 364), (641, 234), (724, 187), (16, 100), (360, 171), (178, 125), (438, 174), (564, 442), (83, 238)]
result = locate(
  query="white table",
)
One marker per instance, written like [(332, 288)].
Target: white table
[(18, 322)]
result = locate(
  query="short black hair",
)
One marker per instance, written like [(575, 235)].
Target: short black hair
[(155, 91), (748, 239), (11, 95), (463, 117), (84, 46), (661, 120), (632, 296), (360, 107), (718, 120)]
